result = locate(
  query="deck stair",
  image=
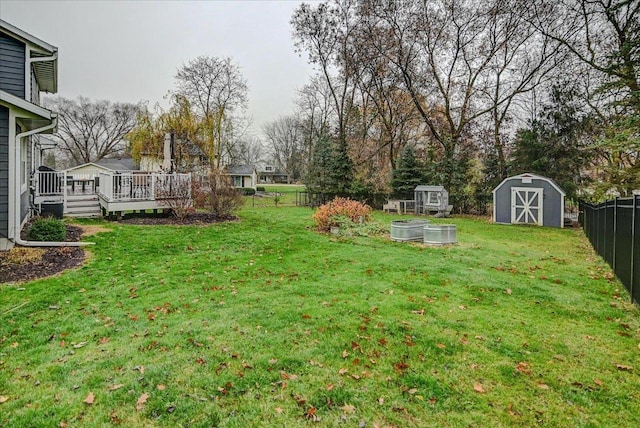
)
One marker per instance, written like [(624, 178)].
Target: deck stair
[(83, 206)]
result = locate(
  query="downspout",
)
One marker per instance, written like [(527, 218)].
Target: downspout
[(17, 202)]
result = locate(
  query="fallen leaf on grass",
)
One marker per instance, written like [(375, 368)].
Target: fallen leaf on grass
[(115, 387), (624, 368), (508, 291), (3, 399), (380, 401), (441, 345), (543, 386), (311, 414), (90, 398), (478, 388), (141, 401), (524, 368), (329, 387), (348, 408), (598, 382), (345, 354), (278, 409), (161, 387)]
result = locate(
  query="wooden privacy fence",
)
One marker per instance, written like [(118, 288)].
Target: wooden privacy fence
[(613, 228)]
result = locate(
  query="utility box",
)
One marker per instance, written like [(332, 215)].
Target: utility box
[(52, 209)]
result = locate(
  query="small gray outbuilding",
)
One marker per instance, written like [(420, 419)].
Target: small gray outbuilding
[(529, 199)]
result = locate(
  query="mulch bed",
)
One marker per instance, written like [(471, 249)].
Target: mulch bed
[(57, 259), (53, 261), (197, 218)]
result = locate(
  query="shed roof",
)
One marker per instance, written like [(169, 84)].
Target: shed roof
[(528, 175), (425, 188)]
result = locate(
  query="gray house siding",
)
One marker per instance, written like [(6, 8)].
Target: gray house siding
[(551, 206), (25, 196), (35, 89), (12, 66), (4, 171)]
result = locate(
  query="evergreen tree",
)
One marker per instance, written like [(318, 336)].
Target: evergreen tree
[(555, 144), (407, 175), (318, 177), (341, 170)]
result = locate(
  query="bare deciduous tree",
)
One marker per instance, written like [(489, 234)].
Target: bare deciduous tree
[(284, 138), (91, 130), (217, 92)]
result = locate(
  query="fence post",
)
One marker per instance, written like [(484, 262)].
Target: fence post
[(615, 230), (633, 245)]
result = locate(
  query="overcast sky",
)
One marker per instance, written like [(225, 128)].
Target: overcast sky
[(130, 50)]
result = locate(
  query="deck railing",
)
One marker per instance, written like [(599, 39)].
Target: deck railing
[(121, 186), (134, 186), (49, 183)]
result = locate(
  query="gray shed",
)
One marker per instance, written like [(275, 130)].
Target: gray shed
[(529, 199), (431, 199)]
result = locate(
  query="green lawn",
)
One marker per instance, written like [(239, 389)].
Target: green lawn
[(277, 195), (264, 322)]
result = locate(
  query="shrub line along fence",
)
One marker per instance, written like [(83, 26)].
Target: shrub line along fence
[(462, 204), (613, 228)]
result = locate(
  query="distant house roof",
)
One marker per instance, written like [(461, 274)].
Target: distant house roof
[(46, 69), (125, 164), (241, 169), (112, 164)]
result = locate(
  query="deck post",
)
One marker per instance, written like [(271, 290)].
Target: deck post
[(153, 186), (64, 192)]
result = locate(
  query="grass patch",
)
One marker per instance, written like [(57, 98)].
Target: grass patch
[(264, 322)]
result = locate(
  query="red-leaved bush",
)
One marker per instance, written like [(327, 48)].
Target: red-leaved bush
[(340, 209)]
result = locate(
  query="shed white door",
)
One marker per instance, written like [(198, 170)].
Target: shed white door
[(526, 205)]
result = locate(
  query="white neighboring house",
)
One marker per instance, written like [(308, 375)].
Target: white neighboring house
[(28, 66), (103, 165), (243, 176)]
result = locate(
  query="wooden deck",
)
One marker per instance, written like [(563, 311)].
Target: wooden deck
[(116, 193)]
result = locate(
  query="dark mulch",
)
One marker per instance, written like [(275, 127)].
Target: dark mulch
[(197, 218), (53, 261)]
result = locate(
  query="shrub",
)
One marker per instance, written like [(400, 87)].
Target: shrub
[(338, 211), (217, 195), (47, 229), (248, 191), (175, 190), (260, 189)]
